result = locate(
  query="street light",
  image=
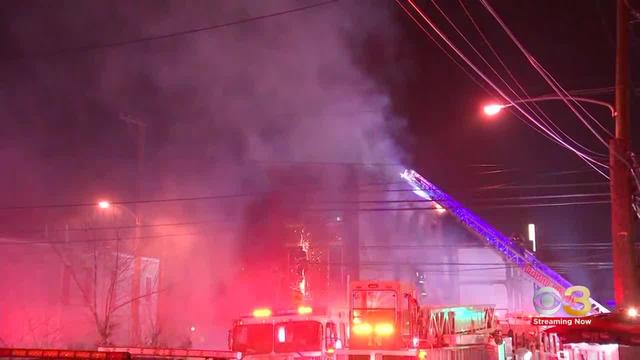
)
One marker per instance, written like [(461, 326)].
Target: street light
[(494, 109), (105, 204), (137, 268)]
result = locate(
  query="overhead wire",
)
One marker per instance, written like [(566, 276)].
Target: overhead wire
[(518, 83), (556, 86), (87, 48), (444, 50), (473, 78), (591, 162), (540, 186), (560, 91), (95, 240), (524, 102)]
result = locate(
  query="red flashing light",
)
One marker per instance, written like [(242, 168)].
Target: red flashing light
[(305, 310)]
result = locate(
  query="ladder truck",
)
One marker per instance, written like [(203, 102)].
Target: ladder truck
[(387, 322)]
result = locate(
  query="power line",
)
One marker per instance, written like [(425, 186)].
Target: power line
[(519, 85), (589, 160), (536, 197), (88, 48), (540, 186), (549, 204), (197, 198), (97, 240), (179, 199)]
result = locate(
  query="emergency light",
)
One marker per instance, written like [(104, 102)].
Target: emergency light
[(384, 329), (261, 313)]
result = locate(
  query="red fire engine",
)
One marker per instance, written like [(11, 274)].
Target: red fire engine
[(307, 333)]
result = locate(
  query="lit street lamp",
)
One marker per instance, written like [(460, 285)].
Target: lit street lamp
[(494, 109), (624, 270), (105, 204), (137, 268)]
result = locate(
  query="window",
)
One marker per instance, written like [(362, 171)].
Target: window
[(332, 335), (253, 338), (148, 285), (374, 299), (298, 336)]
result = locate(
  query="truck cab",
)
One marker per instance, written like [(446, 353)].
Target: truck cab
[(305, 333), (383, 314)]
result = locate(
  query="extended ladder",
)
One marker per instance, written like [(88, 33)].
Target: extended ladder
[(534, 268)]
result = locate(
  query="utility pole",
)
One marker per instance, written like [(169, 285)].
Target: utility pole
[(624, 261), (137, 261), (352, 219)]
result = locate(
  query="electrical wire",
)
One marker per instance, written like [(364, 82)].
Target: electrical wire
[(549, 204), (96, 240), (444, 50), (556, 86), (515, 80), (540, 186), (536, 197), (473, 78), (524, 102), (561, 92), (590, 161), (88, 48)]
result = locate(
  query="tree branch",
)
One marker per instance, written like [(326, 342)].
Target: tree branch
[(125, 303)]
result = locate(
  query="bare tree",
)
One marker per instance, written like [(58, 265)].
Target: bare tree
[(108, 290)]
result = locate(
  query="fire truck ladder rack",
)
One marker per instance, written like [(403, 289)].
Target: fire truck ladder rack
[(152, 353), (537, 271)]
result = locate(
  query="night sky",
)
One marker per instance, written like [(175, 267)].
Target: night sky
[(208, 96)]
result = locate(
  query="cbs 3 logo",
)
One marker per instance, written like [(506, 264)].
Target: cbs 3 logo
[(548, 301)]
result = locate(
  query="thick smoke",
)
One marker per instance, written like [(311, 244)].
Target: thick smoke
[(220, 106)]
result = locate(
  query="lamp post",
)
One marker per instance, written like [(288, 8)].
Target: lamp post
[(137, 267), (494, 109), (626, 288)]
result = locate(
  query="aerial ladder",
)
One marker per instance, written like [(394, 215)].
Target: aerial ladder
[(540, 273)]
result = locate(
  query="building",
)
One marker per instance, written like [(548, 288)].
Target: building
[(68, 295)]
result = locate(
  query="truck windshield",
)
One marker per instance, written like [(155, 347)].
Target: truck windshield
[(253, 338), (374, 305), (298, 336), (374, 299)]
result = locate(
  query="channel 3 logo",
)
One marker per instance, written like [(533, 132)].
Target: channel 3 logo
[(575, 302)]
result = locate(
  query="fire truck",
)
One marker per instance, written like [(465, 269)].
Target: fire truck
[(387, 322), (307, 333)]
